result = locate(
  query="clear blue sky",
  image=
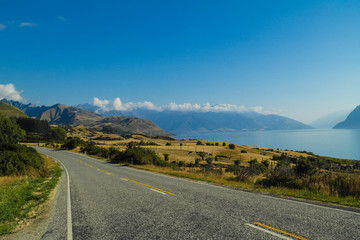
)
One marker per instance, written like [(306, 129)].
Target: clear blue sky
[(298, 58)]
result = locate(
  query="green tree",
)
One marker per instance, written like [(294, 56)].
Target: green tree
[(232, 146), (236, 166), (58, 134), (209, 161), (10, 132), (202, 155), (303, 168), (166, 156), (199, 143)]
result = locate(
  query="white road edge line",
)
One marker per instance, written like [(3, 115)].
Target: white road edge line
[(157, 191), (124, 179), (69, 220), (268, 231)]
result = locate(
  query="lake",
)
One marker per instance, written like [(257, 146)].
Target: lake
[(339, 143)]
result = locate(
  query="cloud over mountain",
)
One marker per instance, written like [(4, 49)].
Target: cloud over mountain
[(9, 92), (118, 105)]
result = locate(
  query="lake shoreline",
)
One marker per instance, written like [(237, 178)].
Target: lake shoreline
[(335, 143)]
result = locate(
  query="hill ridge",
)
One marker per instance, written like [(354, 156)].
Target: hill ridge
[(351, 122), (11, 111), (61, 114)]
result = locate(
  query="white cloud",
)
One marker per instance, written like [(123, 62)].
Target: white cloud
[(118, 105), (2, 27), (61, 18), (9, 92), (27, 24), (100, 103)]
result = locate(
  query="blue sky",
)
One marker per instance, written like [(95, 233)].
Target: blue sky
[(300, 59)]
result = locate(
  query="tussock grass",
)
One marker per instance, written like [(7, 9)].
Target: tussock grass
[(225, 180), (21, 196), (9, 179)]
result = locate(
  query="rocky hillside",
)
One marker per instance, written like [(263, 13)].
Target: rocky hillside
[(60, 114), (352, 121)]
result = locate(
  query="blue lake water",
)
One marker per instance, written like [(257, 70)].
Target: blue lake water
[(339, 143)]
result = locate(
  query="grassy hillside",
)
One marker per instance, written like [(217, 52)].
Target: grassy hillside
[(11, 111)]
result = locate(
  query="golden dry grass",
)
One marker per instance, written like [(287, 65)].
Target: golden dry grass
[(183, 149), (10, 179)]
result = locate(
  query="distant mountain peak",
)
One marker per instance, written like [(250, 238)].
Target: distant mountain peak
[(352, 121)]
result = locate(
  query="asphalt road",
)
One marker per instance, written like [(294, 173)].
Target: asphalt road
[(98, 200)]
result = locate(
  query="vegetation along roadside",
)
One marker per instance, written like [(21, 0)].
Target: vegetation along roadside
[(26, 178)]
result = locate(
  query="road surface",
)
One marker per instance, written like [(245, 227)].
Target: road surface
[(99, 200)]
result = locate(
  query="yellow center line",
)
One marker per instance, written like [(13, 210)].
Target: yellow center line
[(89, 165), (80, 161), (149, 186), (104, 171), (280, 231)]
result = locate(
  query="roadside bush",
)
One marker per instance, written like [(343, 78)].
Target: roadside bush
[(281, 181), (304, 168), (20, 162), (139, 156), (72, 143)]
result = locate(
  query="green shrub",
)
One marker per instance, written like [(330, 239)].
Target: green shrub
[(20, 161), (232, 146), (139, 156)]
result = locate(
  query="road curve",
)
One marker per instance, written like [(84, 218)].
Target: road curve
[(99, 200)]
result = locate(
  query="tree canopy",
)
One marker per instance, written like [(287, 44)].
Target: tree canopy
[(10, 132)]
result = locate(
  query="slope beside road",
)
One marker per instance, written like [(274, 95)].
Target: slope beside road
[(99, 200)]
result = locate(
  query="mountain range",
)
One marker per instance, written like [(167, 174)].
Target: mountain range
[(60, 114), (164, 123), (157, 122), (182, 122)]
